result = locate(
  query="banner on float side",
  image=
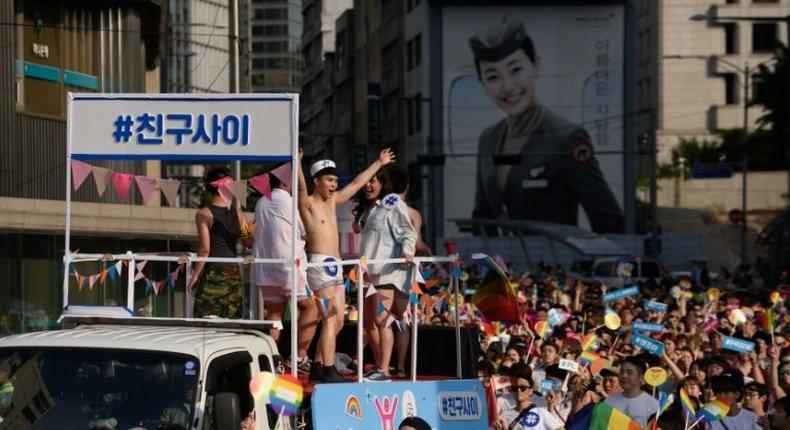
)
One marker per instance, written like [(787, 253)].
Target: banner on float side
[(257, 127), (453, 405)]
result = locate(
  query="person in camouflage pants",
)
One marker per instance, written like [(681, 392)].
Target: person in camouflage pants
[(220, 293)]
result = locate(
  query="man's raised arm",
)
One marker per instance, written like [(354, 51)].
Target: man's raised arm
[(304, 202), (386, 156)]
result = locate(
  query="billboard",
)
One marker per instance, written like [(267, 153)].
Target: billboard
[(533, 114)]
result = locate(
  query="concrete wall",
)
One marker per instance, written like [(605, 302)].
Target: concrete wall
[(764, 190)]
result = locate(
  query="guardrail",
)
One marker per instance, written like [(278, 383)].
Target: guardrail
[(132, 258)]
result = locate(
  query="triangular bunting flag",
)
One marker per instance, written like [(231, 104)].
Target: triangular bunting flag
[(457, 272), (79, 172), (348, 286), (414, 299), (261, 183), (121, 182), (147, 286), (371, 291), (119, 268), (103, 275), (390, 320), (80, 280), (141, 265), (146, 186), (283, 173), (169, 188), (91, 281), (138, 276), (172, 278), (101, 177), (418, 274), (382, 308), (325, 303), (156, 285), (239, 190), (415, 288)]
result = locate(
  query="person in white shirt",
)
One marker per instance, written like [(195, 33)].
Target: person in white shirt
[(387, 232), (729, 386), (632, 401), (273, 239), (517, 410)]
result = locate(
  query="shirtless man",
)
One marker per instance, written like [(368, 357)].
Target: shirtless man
[(318, 211)]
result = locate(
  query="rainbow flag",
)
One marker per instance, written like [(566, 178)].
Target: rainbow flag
[(664, 402), (588, 358), (600, 364), (769, 319), (590, 342), (286, 395), (542, 329), (714, 410), (495, 297), (603, 417), (687, 404)]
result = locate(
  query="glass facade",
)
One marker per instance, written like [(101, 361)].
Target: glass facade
[(276, 58)]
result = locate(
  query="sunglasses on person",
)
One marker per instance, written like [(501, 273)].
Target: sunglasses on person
[(522, 388)]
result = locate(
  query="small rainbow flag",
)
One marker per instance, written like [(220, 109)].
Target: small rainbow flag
[(261, 384), (603, 417), (714, 410), (590, 342), (495, 298), (769, 319), (587, 358), (542, 329), (286, 395), (687, 404)]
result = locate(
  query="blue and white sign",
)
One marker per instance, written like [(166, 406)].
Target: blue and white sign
[(453, 405), (648, 327), (650, 345), (655, 306), (547, 385), (182, 126), (737, 345), (621, 293)]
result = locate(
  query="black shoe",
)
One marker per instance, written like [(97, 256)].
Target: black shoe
[(316, 373), (331, 375)]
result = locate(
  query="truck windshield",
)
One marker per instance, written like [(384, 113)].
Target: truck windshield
[(96, 389)]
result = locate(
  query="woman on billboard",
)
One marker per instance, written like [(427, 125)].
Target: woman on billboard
[(557, 170)]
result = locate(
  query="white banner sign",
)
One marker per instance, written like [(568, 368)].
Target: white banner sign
[(182, 126)]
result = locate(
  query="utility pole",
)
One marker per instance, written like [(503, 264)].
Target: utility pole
[(745, 163), (233, 63)]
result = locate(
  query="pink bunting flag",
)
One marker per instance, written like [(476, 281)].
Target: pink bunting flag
[(101, 177), (224, 192), (371, 291), (146, 186), (261, 183), (91, 281), (122, 182), (283, 173), (119, 268), (79, 172), (239, 190), (169, 188), (156, 285)]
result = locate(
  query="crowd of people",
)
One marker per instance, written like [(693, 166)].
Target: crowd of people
[(576, 342)]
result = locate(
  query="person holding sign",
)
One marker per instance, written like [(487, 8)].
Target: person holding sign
[(632, 401), (319, 214), (517, 411)]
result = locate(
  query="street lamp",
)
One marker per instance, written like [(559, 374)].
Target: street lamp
[(745, 71)]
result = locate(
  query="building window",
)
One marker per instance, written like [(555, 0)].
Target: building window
[(409, 55), (764, 37), (730, 38), (410, 116), (730, 89), (417, 50), (418, 112)]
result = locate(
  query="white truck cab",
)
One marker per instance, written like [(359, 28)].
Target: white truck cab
[(123, 372)]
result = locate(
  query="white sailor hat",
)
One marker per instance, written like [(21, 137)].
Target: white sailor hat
[(321, 165)]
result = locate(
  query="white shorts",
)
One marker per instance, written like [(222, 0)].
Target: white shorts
[(282, 293), (319, 278)]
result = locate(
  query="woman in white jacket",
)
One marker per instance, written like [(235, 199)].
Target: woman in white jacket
[(387, 232)]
